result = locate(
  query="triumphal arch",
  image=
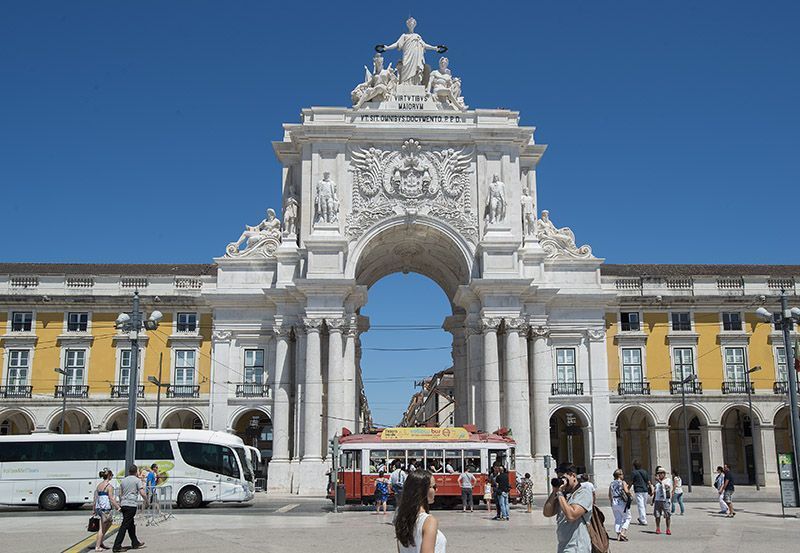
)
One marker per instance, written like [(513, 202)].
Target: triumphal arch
[(408, 177)]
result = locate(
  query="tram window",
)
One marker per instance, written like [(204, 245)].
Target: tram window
[(512, 459), (434, 460), (452, 461), (497, 456), (415, 457), (351, 459), (377, 461), (396, 457), (472, 460)]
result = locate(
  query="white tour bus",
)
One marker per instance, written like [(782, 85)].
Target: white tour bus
[(55, 471)]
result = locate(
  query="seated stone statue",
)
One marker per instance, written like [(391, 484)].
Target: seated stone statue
[(558, 241), (378, 85), (446, 88), (268, 230)]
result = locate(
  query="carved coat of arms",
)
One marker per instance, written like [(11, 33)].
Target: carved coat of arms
[(392, 182)]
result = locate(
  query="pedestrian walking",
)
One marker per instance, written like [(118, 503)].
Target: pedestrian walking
[(619, 496), (718, 481), (467, 481), (503, 490), (104, 501), (642, 488), (381, 492), (525, 489), (416, 530), (662, 497), (130, 489), (572, 506), (728, 487), (586, 483), (677, 491)]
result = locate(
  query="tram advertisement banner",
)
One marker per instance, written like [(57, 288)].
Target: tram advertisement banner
[(424, 434)]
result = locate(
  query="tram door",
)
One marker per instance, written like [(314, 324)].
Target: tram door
[(351, 472)]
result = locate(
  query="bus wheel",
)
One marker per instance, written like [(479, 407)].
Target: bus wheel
[(189, 498), (52, 499)]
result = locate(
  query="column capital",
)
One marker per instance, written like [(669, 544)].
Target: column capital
[(596, 334), (335, 325), (490, 324), (312, 324), (539, 331), (516, 324), (221, 335), (282, 330)]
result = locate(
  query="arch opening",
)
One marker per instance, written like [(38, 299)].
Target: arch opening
[(568, 437), (254, 427), (738, 444), (182, 418), (677, 447), (15, 423), (75, 422), (119, 421), (634, 438)]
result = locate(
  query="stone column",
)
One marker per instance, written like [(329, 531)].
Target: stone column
[(474, 365), (454, 324), (336, 386), (491, 376), (768, 464), (517, 402), (711, 436), (541, 372), (660, 453), (279, 472), (220, 375), (350, 410), (603, 458), (300, 391), (312, 444)]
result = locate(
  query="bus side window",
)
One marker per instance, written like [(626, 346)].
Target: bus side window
[(472, 460)]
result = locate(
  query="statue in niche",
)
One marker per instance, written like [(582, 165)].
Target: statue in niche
[(267, 231), (496, 202), (412, 47), (528, 212), (446, 88), (326, 202), (378, 85), (559, 242), (290, 209)]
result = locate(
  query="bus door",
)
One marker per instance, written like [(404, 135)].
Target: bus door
[(229, 477)]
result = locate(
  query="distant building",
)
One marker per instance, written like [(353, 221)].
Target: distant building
[(434, 404)]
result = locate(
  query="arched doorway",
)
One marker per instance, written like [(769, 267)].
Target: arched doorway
[(182, 418), (254, 427), (15, 422), (75, 422), (568, 438), (119, 421), (738, 445), (634, 426), (677, 443), (783, 432)]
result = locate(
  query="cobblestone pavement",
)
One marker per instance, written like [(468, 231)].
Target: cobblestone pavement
[(279, 524)]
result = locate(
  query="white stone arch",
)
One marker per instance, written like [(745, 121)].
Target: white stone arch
[(114, 412), (695, 408), (581, 410), (651, 413), (776, 410), (388, 236), (12, 412), (759, 416), (234, 417), (179, 408), (54, 419)]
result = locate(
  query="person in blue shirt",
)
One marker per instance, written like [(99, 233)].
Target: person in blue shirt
[(152, 481)]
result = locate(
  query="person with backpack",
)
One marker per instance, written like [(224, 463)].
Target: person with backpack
[(572, 506), (642, 487)]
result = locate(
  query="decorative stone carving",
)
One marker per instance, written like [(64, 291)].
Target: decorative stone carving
[(539, 331), (326, 200), (496, 202), (490, 323), (221, 335), (528, 212), (290, 211), (516, 325), (261, 240), (596, 334), (411, 181), (282, 330), (378, 85), (335, 325), (446, 88), (312, 325), (412, 48), (559, 242)]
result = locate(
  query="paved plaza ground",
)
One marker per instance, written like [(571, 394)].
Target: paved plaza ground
[(278, 524)]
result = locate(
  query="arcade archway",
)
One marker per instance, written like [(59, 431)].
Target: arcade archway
[(568, 437), (119, 420), (634, 428), (75, 422), (697, 422), (15, 422), (739, 445), (182, 418)]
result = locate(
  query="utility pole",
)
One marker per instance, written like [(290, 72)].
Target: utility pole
[(133, 380), (787, 320), (752, 423)]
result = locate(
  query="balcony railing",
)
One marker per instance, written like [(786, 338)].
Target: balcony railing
[(123, 390), (14, 392), (737, 387), (633, 388), (691, 387), (72, 390), (252, 389), (183, 390), (782, 387), (567, 389)]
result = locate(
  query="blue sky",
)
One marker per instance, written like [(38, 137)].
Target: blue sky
[(670, 126)]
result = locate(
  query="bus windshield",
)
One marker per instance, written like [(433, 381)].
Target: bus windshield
[(244, 459)]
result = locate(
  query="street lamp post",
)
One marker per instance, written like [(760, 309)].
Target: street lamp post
[(787, 317), (752, 424), (63, 373), (132, 324), (688, 459), (159, 385)]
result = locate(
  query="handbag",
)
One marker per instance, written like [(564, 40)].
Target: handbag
[(94, 524)]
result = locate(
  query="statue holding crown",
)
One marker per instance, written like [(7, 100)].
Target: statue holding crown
[(412, 47)]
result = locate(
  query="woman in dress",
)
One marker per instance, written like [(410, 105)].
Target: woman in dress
[(620, 497), (525, 488), (677, 491), (381, 492), (104, 500), (416, 530)]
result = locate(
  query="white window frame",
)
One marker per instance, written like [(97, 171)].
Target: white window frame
[(7, 381), (121, 351), (574, 365), (70, 378), (88, 323), (10, 323), (186, 332), (619, 321), (739, 379), (245, 366), (672, 349), (174, 379), (691, 321), (781, 375), (722, 322), (622, 364)]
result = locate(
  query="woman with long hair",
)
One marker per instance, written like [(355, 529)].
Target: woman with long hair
[(104, 500), (416, 530)]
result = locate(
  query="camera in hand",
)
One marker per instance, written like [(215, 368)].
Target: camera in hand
[(558, 482)]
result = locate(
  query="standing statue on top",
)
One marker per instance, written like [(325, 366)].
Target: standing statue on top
[(411, 45)]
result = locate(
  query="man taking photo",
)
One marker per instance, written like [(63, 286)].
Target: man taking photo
[(572, 506)]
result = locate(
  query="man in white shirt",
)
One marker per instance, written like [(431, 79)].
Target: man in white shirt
[(396, 481), (467, 481), (662, 499)]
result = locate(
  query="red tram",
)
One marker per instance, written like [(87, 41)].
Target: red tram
[(442, 451)]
